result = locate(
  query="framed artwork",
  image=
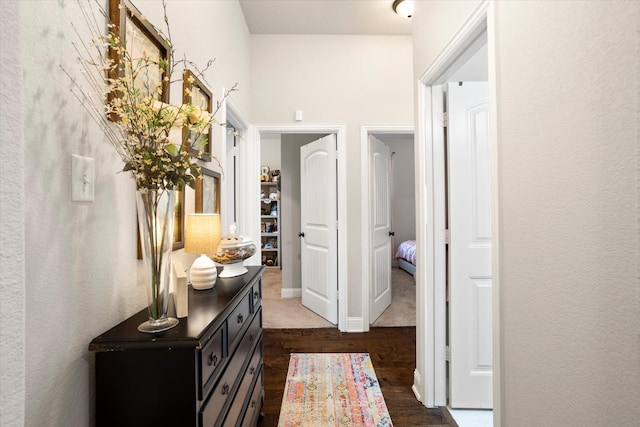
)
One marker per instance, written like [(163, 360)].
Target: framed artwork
[(208, 192), (178, 222), (141, 40), (196, 93)]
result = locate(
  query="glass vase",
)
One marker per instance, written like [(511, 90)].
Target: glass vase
[(156, 210)]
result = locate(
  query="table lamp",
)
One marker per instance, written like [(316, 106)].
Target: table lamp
[(202, 237)]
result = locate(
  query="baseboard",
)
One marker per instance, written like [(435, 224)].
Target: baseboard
[(355, 324), (291, 293), (417, 385), (447, 416)]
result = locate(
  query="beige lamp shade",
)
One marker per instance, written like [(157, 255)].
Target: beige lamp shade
[(203, 233)]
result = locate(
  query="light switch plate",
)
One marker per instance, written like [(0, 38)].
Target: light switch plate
[(82, 179)]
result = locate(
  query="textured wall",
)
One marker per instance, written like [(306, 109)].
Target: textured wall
[(568, 129), (73, 273), (568, 92), (12, 265)]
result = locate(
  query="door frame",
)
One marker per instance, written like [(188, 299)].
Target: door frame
[(430, 384), (340, 131), (231, 113), (365, 183), (245, 202)]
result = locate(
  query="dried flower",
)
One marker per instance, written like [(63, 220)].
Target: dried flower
[(129, 110)]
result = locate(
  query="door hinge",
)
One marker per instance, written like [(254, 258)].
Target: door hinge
[(447, 236), (447, 353), (445, 120)]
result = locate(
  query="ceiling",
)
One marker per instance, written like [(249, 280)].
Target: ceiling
[(352, 17)]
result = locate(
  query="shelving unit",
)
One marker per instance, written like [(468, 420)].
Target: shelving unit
[(270, 224)]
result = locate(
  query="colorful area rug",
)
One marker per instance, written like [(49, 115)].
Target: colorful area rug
[(332, 389)]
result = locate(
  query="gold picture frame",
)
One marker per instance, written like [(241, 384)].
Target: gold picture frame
[(208, 192), (141, 39), (179, 219), (195, 92)]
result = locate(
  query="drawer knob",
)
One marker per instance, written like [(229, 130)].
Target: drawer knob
[(256, 295), (225, 389), (240, 318), (253, 403), (213, 359), (251, 337), (252, 370)]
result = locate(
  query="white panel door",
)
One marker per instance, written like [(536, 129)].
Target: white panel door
[(471, 365), (380, 220), (319, 234)]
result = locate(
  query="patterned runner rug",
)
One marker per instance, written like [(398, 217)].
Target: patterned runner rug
[(332, 389)]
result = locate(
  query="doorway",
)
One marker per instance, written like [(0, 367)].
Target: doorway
[(460, 111), (236, 169), (430, 381), (289, 237), (400, 139)]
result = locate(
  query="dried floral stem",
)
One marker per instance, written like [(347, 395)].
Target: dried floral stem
[(124, 89)]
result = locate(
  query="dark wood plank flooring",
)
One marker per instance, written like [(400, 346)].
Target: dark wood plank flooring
[(392, 352)]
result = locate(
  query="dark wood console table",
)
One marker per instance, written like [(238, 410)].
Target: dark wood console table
[(205, 372)]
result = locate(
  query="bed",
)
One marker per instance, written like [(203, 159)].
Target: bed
[(406, 256)]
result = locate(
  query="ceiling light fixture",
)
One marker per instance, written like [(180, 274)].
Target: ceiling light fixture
[(403, 8)]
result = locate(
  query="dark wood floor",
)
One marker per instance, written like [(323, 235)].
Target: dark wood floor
[(392, 352)]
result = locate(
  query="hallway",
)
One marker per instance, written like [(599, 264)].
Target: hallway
[(392, 352), (279, 313)]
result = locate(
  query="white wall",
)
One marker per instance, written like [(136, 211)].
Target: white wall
[(568, 128), (351, 80), (74, 273), (12, 206), (434, 23), (568, 152), (270, 151)]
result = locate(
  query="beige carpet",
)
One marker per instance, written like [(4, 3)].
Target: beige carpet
[(289, 313), (402, 311)]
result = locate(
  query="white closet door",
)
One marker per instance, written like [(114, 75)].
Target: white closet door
[(471, 365)]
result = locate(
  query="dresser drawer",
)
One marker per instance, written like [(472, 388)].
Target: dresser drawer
[(211, 358), (235, 412), (255, 403), (205, 360), (257, 296), (238, 319), (225, 387)]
